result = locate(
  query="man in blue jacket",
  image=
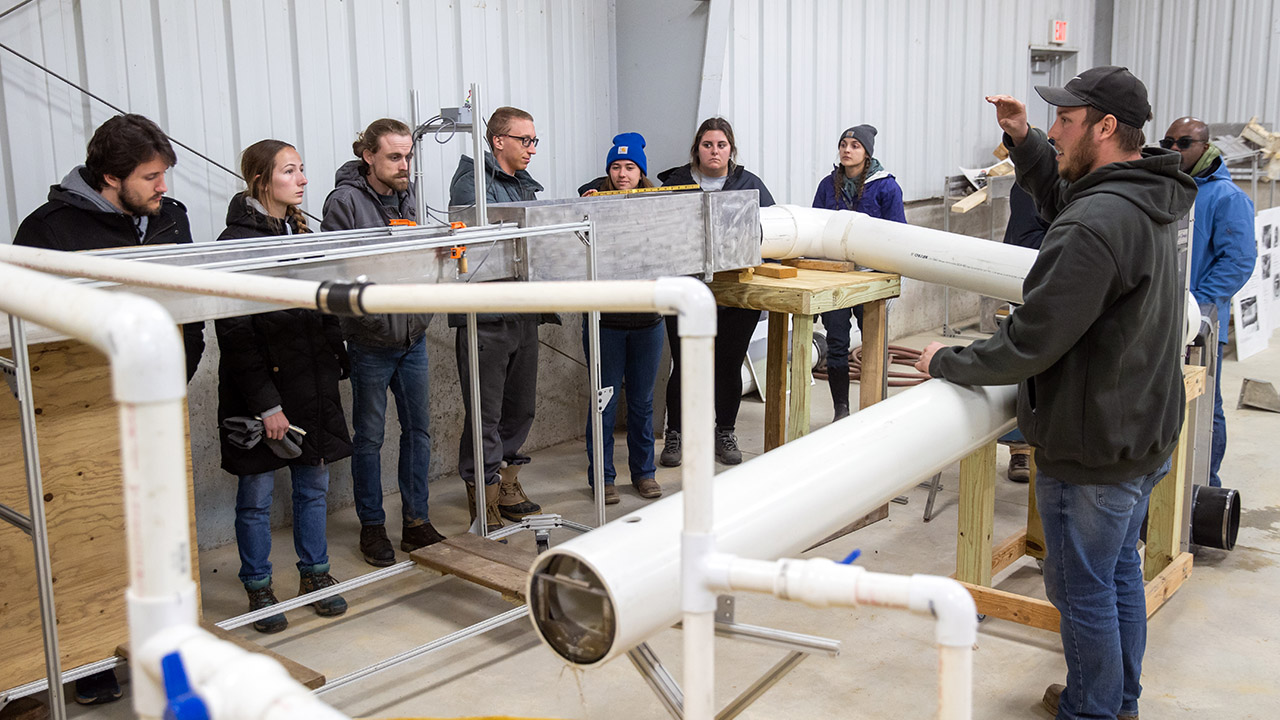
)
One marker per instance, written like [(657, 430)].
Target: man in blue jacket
[(1223, 250), (1096, 352)]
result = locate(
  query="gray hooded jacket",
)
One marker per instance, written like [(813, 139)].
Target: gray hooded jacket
[(354, 204)]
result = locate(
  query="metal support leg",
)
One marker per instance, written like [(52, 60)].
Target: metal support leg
[(761, 686), (664, 686), (39, 528), (598, 393), (935, 485), (480, 476)]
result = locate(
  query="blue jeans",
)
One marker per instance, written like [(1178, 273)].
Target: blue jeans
[(253, 519), (1218, 445), (630, 356), (1093, 576), (373, 370)]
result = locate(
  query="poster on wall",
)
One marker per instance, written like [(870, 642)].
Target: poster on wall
[(1256, 308)]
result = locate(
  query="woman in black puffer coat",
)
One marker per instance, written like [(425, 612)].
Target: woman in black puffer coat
[(282, 367)]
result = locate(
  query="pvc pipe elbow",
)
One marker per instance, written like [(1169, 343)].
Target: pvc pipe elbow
[(691, 300), (148, 361), (951, 604)]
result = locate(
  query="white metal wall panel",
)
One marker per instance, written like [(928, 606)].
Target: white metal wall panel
[(1218, 60), (222, 74), (799, 71)]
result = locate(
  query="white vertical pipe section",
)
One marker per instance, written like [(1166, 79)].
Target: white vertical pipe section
[(958, 261), (955, 683), (148, 371), (697, 372)]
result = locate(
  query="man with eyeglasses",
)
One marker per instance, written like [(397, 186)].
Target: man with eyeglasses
[(1223, 250), (508, 342)]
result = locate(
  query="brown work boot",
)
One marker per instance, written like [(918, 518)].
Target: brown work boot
[(610, 494), (512, 502), (493, 520), (647, 487), (1020, 463), (1053, 694)]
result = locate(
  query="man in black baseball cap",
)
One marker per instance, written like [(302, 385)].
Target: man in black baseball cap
[(1095, 349)]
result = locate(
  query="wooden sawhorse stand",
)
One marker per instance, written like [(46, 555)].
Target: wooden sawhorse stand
[(1165, 565), (799, 298)]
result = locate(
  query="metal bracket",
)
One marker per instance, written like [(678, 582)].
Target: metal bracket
[(603, 398)]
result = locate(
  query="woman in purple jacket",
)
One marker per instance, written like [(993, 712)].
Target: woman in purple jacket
[(858, 182)]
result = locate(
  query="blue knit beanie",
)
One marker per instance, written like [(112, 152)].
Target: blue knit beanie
[(627, 146)]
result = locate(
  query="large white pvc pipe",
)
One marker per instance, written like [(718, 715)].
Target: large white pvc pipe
[(148, 370), (959, 261), (822, 583), (789, 498)]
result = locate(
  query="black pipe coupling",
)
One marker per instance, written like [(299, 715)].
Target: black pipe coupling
[(336, 297)]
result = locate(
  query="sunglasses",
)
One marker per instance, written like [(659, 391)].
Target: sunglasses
[(1183, 142)]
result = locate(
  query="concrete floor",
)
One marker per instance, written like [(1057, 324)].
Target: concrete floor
[(1212, 649)]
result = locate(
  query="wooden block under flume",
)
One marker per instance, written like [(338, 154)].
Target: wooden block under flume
[(485, 562), (775, 271), (78, 433), (743, 275), (841, 266), (311, 679)]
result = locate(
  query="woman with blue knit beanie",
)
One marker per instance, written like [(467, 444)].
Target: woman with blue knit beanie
[(858, 182), (630, 345)]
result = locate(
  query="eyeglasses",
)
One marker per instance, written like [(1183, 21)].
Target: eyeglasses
[(1183, 142), (524, 141)]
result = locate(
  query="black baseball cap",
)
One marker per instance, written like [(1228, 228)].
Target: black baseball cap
[(1113, 90)]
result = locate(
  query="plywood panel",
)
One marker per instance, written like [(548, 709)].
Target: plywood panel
[(78, 437)]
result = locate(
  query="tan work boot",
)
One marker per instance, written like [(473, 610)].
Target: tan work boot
[(493, 520), (1053, 694), (512, 502)]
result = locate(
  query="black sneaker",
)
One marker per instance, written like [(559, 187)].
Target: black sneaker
[(260, 596), (98, 689), (727, 451), (670, 449), (375, 547), (418, 536), (318, 578)]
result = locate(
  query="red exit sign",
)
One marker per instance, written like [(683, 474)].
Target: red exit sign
[(1059, 31)]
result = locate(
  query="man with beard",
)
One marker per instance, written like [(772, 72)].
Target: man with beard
[(1096, 351), (386, 350), (115, 199)]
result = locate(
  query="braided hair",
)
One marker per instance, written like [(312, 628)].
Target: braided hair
[(837, 183)]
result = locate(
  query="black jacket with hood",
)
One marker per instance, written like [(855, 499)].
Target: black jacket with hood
[(77, 217), (291, 359), (1096, 346), (353, 204)]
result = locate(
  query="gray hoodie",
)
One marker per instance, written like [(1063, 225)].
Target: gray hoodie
[(353, 204)]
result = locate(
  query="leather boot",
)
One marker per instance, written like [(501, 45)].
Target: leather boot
[(493, 520), (512, 502), (838, 380)]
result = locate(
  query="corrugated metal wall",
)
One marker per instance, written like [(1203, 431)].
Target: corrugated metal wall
[(1216, 59), (800, 71), (221, 74)]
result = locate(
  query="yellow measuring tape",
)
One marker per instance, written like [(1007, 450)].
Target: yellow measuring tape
[(666, 188)]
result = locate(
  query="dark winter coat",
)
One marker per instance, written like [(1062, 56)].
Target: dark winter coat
[(290, 359), (1026, 228), (881, 197), (739, 179), (77, 218), (500, 187), (353, 204), (1096, 346)]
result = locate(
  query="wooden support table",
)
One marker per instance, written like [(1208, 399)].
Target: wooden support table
[(799, 299), (1165, 566)]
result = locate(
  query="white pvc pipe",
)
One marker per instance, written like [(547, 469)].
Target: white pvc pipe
[(959, 261), (148, 370), (822, 583), (782, 502)]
